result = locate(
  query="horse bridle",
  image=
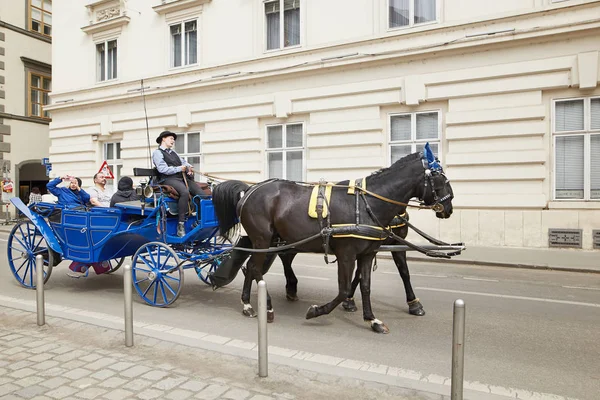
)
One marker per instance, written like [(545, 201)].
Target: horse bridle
[(437, 205)]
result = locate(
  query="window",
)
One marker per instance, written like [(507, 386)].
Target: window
[(404, 13), (187, 146), (285, 151), (576, 131), (282, 16), (39, 88), (40, 16), (106, 54), (184, 43), (112, 156), (410, 132)]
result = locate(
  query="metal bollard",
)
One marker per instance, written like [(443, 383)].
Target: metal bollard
[(263, 347), (127, 289), (458, 350), (39, 289)]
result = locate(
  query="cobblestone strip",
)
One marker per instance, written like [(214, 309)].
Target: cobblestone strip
[(51, 363)]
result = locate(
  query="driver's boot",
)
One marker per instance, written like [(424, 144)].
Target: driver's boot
[(181, 229)]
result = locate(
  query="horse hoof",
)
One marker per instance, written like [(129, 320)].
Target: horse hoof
[(291, 296), (379, 327), (349, 305), (312, 312), (270, 316), (249, 312), (419, 312), (416, 308)]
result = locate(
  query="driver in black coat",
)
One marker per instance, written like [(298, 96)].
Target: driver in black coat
[(172, 170)]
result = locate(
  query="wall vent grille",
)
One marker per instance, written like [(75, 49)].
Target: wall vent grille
[(564, 238)]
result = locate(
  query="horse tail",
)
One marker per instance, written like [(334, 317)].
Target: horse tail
[(225, 197)]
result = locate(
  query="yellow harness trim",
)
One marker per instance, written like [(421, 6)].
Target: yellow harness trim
[(312, 204), (352, 185)]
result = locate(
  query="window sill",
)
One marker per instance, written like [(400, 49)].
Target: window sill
[(107, 81), (106, 25), (183, 67), (295, 47), (416, 26), (574, 204), (177, 5)]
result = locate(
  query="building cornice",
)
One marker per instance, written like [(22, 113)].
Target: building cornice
[(177, 5), (25, 119), (29, 62), (106, 25), (22, 31), (205, 77)]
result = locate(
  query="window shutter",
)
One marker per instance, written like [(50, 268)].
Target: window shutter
[(400, 127), (595, 111), (427, 126), (569, 116), (569, 167), (595, 166)]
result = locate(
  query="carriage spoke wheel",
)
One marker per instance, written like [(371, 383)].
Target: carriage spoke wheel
[(115, 264), (157, 274), (24, 244), (205, 270)]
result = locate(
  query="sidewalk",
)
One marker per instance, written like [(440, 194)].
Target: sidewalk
[(73, 360), (553, 259)]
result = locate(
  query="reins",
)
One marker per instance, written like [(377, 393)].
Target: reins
[(377, 196)]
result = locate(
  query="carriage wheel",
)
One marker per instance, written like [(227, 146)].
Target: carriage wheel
[(115, 264), (205, 269), (24, 244), (157, 274)]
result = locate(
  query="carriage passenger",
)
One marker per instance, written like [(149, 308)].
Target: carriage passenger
[(99, 195), (125, 192), (71, 196), (172, 171)]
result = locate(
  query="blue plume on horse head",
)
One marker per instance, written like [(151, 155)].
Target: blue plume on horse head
[(430, 157)]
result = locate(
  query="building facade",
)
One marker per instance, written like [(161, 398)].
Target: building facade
[(25, 84), (506, 92)]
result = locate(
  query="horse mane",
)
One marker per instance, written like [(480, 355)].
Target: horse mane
[(399, 164)]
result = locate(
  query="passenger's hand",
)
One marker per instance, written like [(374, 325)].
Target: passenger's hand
[(183, 168)]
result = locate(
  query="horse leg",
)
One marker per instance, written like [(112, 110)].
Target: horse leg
[(247, 310), (348, 304), (291, 282), (364, 265), (345, 268), (414, 305)]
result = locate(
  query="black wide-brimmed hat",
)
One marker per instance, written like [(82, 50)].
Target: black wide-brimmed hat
[(164, 134)]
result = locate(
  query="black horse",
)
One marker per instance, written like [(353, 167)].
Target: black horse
[(415, 307), (276, 211)]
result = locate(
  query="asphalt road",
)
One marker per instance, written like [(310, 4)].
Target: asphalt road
[(525, 329)]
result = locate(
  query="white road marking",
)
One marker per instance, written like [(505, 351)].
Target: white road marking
[(581, 287), (3, 240), (301, 276), (425, 275), (505, 296), (479, 279)]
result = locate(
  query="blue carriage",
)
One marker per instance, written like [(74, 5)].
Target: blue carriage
[(144, 230)]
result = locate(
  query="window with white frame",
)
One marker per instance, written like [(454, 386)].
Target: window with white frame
[(187, 146), (184, 43), (409, 132), (106, 60), (285, 151), (112, 156), (403, 13), (282, 23), (576, 131)]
